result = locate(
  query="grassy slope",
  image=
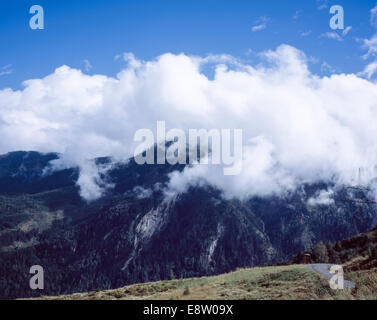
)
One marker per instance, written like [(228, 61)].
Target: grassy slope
[(285, 282)]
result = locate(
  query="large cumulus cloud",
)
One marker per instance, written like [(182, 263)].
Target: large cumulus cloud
[(297, 126)]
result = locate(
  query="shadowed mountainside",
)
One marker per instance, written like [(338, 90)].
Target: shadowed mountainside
[(133, 233)]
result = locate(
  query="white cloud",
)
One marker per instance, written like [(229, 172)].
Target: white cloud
[(369, 70), (142, 193), (306, 33), (371, 44), (87, 65), (296, 15), (373, 16), (323, 197), (260, 24), (298, 127), (325, 67), (322, 4), (331, 35), (259, 27), (5, 70), (346, 30), (336, 36)]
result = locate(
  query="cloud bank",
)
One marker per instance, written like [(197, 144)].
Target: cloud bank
[(297, 126)]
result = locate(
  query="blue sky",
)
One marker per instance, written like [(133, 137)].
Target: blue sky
[(98, 30)]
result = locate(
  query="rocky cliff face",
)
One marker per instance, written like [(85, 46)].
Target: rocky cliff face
[(135, 234)]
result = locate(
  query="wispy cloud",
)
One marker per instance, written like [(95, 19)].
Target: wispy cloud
[(369, 70), (260, 24), (87, 65), (296, 15), (331, 35), (373, 16), (346, 30), (5, 70), (259, 27), (322, 4), (326, 68), (3, 73), (335, 35), (323, 197), (371, 44), (306, 33)]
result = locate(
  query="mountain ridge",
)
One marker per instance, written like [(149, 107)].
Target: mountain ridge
[(128, 236)]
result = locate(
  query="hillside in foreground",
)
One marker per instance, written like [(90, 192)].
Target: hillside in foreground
[(294, 282)]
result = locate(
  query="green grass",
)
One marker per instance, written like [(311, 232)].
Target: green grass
[(294, 282), (285, 282)]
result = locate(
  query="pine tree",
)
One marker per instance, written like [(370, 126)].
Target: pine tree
[(320, 253)]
